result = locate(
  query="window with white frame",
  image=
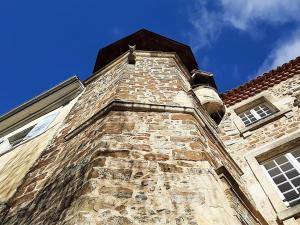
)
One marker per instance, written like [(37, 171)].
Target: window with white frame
[(284, 171), (256, 113), (26, 134)]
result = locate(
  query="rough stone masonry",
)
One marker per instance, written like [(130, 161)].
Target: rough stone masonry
[(138, 147)]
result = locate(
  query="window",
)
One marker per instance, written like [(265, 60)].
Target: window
[(19, 137), (8, 143), (285, 174), (255, 114)]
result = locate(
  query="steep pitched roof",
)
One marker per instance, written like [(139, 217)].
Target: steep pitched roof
[(263, 82), (149, 41)]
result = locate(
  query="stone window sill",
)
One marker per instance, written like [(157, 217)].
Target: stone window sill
[(289, 212), (245, 131)]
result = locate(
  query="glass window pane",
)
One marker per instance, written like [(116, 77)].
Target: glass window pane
[(247, 123), (290, 195), (285, 187), (41, 126), (270, 165), (296, 182), (244, 119), (274, 172), (286, 166), (294, 202), (296, 153), (293, 173), (268, 111), (262, 114), (280, 160), (279, 179)]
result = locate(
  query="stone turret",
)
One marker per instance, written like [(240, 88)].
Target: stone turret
[(206, 91), (135, 148)]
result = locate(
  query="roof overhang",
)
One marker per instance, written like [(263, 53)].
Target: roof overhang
[(147, 41), (40, 105)]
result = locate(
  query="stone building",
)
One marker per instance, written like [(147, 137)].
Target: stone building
[(147, 139)]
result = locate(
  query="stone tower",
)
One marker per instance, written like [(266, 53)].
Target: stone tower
[(139, 144)]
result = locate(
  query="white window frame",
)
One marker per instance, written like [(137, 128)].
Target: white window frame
[(295, 165), (38, 128), (255, 114), (264, 153), (272, 102)]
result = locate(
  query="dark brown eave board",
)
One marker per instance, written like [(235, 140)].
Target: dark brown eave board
[(147, 41)]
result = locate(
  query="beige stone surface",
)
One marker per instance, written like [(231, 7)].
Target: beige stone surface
[(143, 165), (15, 164), (240, 145)]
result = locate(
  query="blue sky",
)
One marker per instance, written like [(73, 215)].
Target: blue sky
[(44, 42)]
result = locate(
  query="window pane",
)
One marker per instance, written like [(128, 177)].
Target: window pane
[(270, 165), (286, 167), (280, 160), (293, 173), (247, 123), (19, 137), (295, 201), (290, 195), (41, 126), (274, 172), (296, 154), (296, 182), (279, 179), (245, 119), (285, 187), (266, 109)]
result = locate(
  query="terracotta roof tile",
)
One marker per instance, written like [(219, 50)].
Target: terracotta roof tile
[(263, 82)]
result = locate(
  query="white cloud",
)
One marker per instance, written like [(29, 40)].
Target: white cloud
[(207, 25), (283, 52), (208, 21), (243, 14)]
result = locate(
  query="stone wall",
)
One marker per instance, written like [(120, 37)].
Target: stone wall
[(150, 161), (240, 144), (15, 164)]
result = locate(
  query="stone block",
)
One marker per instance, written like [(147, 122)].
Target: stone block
[(182, 116), (196, 145), (114, 153), (170, 168), (156, 157), (188, 155), (119, 174)]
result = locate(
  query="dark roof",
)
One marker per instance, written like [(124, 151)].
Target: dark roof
[(148, 41), (263, 82)]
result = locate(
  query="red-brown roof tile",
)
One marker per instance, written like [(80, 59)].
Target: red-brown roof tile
[(263, 82)]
